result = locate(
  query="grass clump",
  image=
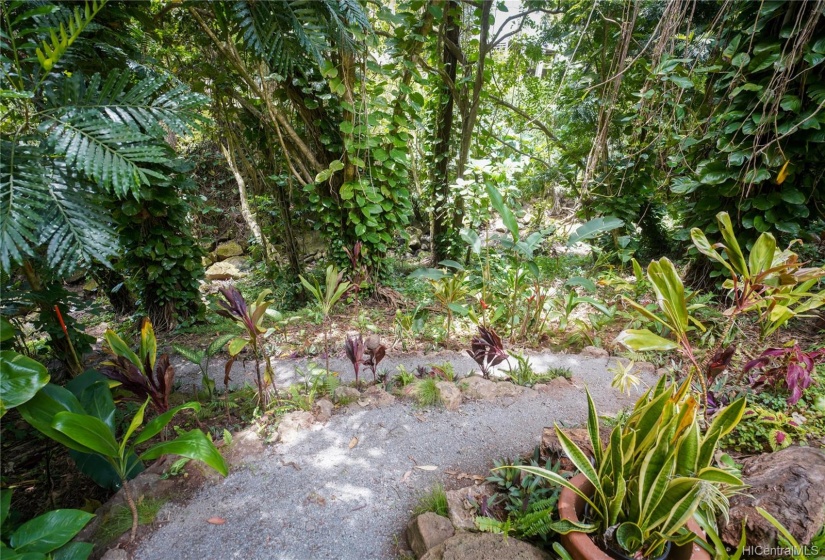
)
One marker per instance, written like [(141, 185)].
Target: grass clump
[(555, 372), (427, 392), (119, 520), (435, 501)]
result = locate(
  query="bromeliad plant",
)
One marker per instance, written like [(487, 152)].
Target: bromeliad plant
[(250, 318), (487, 350), (144, 373), (655, 473)]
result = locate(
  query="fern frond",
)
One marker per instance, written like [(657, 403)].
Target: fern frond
[(24, 196), (217, 345), (107, 152), (54, 50), (190, 354)]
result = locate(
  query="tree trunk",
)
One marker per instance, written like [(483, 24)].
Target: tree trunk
[(441, 220)]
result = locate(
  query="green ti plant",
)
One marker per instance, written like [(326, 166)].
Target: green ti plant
[(771, 282), (250, 317), (145, 374), (86, 425), (654, 475), (45, 536), (326, 297), (670, 296), (201, 358), (450, 291)]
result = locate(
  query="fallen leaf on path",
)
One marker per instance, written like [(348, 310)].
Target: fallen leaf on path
[(406, 476), (426, 467), (353, 442), (216, 520)]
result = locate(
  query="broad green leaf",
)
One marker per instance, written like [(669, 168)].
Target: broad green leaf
[(643, 340), (704, 246), (193, 444), (49, 531), (734, 252), (594, 228), (725, 421), (762, 253), (472, 239), (159, 422), (44, 406), (20, 379), (5, 505), (88, 431), (120, 348), (148, 344), (504, 211), (713, 474), (565, 526), (236, 345), (73, 551), (137, 422), (6, 330)]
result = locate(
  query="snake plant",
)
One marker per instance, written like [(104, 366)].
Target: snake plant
[(653, 475)]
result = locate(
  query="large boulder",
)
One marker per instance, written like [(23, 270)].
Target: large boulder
[(426, 531), (476, 387), (788, 484), (484, 546), (292, 424), (228, 249), (232, 268)]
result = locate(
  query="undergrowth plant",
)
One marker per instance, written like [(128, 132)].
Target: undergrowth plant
[(434, 501), (325, 298), (201, 358), (427, 392)]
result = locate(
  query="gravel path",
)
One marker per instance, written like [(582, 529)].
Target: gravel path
[(316, 498)]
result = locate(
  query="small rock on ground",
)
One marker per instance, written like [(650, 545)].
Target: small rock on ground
[(292, 424), (484, 546), (426, 531), (593, 352), (323, 410), (376, 396), (450, 395), (343, 395), (115, 554), (462, 503)]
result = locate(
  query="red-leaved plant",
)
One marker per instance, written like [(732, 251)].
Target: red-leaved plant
[(355, 352), (790, 365), (487, 350), (145, 374)]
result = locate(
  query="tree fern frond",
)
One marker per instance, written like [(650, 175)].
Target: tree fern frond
[(60, 39), (108, 152), (24, 196), (74, 228), (354, 14)]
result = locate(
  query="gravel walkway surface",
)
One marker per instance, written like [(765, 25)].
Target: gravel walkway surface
[(317, 498)]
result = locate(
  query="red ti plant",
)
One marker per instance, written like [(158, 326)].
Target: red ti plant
[(144, 374), (250, 317), (791, 365), (355, 352), (487, 350), (375, 353)]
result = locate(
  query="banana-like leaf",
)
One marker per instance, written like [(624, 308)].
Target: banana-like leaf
[(87, 431), (732, 249), (194, 445), (154, 427), (762, 254), (594, 228), (643, 340), (49, 531), (46, 404)]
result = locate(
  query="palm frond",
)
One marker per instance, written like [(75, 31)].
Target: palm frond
[(61, 37), (23, 199), (75, 228), (110, 153)]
